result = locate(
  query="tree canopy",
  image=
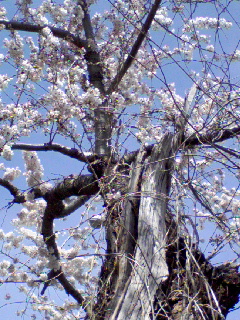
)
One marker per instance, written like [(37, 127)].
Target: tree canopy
[(119, 141)]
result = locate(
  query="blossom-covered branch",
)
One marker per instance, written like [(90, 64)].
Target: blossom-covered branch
[(103, 119), (92, 56)]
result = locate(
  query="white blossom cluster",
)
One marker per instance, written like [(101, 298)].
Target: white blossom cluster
[(236, 56), (207, 23), (11, 240), (29, 71), (23, 118), (225, 203), (219, 204), (162, 19), (7, 153), (15, 47), (78, 268), (3, 12), (4, 80), (34, 169), (31, 215), (11, 173), (42, 304)]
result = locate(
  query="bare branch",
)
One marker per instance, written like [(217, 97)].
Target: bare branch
[(230, 151), (142, 35), (83, 186), (71, 152), (201, 199)]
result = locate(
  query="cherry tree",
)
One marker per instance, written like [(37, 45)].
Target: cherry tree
[(144, 96)]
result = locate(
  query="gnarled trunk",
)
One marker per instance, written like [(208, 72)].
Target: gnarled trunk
[(140, 278), (137, 238)]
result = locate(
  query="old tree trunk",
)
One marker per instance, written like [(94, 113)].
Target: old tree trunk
[(152, 271)]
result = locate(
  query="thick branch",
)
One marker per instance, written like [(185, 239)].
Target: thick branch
[(57, 32), (74, 205), (15, 192), (83, 186), (19, 196), (56, 272), (135, 48), (212, 137)]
